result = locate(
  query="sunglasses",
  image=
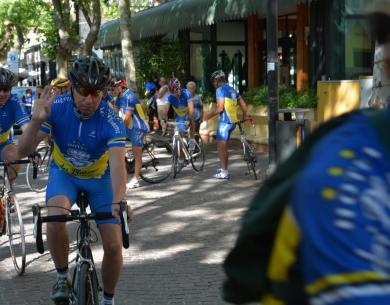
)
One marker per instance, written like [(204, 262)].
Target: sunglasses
[(86, 91), (5, 89)]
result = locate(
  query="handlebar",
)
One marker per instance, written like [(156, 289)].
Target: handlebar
[(74, 216), (8, 163), (178, 123)]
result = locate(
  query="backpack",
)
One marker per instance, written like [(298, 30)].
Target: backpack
[(246, 266)]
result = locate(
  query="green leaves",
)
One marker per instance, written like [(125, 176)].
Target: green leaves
[(288, 97)]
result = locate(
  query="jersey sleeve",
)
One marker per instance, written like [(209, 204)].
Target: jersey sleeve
[(220, 94), (21, 115), (47, 126), (115, 131), (131, 101), (170, 99)]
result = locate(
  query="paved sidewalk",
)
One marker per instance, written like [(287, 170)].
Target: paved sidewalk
[(182, 230)]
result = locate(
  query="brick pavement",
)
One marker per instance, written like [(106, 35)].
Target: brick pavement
[(180, 235)]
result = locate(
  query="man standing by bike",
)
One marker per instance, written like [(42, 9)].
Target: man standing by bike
[(89, 155), (12, 112), (182, 103), (228, 101), (136, 125)]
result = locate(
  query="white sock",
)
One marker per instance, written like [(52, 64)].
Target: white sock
[(224, 172)]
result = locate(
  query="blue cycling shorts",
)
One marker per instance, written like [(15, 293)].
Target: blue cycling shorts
[(2, 146), (224, 130), (99, 191), (182, 128), (136, 136)]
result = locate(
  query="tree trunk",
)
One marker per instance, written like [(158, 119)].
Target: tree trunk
[(127, 45), (94, 25), (381, 88), (63, 20)]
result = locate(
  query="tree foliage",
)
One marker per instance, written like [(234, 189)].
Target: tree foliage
[(17, 18)]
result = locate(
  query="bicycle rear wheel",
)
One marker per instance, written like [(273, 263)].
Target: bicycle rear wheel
[(40, 182), (15, 233), (85, 286), (250, 158), (156, 162), (198, 156)]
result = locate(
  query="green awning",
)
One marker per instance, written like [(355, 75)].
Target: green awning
[(184, 14)]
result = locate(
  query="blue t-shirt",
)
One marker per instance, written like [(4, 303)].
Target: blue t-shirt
[(180, 105), (130, 102), (230, 98), (81, 146), (28, 103), (13, 112), (198, 107), (341, 207)]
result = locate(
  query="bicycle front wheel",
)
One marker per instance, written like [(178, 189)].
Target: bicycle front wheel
[(175, 158), (40, 182), (85, 288), (15, 233), (156, 162), (198, 156)]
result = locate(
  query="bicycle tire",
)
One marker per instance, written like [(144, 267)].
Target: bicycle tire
[(85, 286), (198, 154), (250, 159), (40, 182), (156, 161), (175, 159), (15, 233)]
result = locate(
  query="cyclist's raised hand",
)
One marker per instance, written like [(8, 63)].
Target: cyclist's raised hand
[(42, 106)]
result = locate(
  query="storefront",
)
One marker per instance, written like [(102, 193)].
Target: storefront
[(231, 35)]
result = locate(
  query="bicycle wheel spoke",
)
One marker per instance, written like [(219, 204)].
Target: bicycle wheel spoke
[(156, 163), (39, 183), (15, 232), (198, 156)]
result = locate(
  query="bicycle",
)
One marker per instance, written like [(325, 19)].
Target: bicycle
[(37, 172), (249, 154), (192, 149), (85, 287), (13, 222), (156, 161)]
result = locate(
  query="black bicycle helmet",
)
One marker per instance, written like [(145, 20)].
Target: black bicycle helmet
[(217, 75), (91, 73), (7, 78)]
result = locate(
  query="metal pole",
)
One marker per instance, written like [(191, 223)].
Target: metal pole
[(272, 78)]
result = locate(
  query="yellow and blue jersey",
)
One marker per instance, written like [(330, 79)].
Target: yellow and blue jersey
[(180, 105), (340, 219), (81, 146), (230, 98), (13, 112), (129, 102)]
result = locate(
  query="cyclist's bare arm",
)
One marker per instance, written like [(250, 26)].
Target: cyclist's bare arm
[(31, 135), (191, 112), (166, 110), (118, 176), (244, 109), (127, 118), (218, 110)]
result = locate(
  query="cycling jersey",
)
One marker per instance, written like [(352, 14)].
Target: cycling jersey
[(180, 105), (12, 112), (198, 107), (28, 103), (129, 102), (230, 98), (81, 146), (340, 213)]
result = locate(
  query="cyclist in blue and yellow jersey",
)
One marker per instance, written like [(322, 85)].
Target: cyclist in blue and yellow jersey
[(136, 125), (228, 101), (12, 112), (182, 103), (60, 85), (89, 155), (28, 100)]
